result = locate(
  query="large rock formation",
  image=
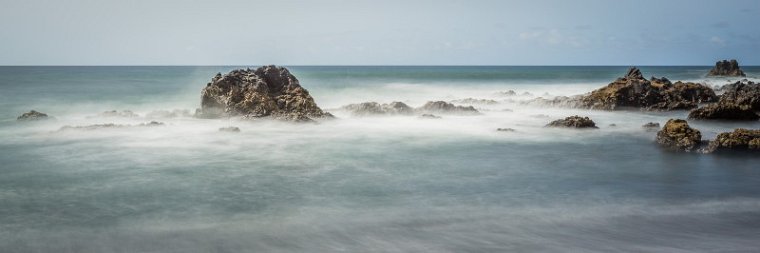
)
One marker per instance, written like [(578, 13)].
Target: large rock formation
[(678, 135), (373, 108), (739, 101), (32, 115), (634, 91), (726, 68), (573, 122), (739, 139), (442, 107), (268, 91)]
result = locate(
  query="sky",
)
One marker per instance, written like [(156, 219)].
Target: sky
[(378, 32)]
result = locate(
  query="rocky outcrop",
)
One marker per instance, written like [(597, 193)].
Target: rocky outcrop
[(373, 108), (231, 129), (32, 116), (268, 91), (441, 107), (723, 111), (742, 93), (739, 139), (573, 122), (678, 135), (634, 91), (726, 68)]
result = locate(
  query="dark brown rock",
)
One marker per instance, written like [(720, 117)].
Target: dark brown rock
[(32, 116), (742, 93), (268, 91), (739, 139), (723, 111), (678, 135), (573, 122), (726, 68)]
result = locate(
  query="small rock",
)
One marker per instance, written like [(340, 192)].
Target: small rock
[(475, 101), (505, 130), (612, 125), (678, 135), (114, 113), (429, 116), (447, 108), (230, 129), (651, 126), (726, 68), (573, 122), (32, 116), (739, 139), (506, 93)]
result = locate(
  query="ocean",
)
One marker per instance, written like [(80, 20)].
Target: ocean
[(361, 184)]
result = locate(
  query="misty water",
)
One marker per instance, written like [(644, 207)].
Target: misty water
[(361, 184)]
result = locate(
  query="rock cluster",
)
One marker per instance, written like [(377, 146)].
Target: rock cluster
[(726, 68), (634, 91), (446, 108), (678, 135), (374, 108), (268, 91), (32, 115), (739, 101), (573, 122), (739, 139)]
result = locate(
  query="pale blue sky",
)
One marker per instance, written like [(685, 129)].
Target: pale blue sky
[(558, 32)]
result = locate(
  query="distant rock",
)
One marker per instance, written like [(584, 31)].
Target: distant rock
[(429, 116), (612, 125), (726, 68), (678, 135), (651, 126), (268, 91), (633, 91), (573, 122), (442, 107), (739, 139), (559, 101), (169, 114), (373, 108), (540, 116), (723, 111), (231, 129), (32, 116), (115, 113), (505, 130), (508, 93), (110, 125), (475, 101)]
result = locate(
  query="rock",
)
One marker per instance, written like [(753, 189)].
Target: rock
[(508, 93), (726, 68), (231, 129), (633, 91), (651, 126), (540, 116), (505, 130), (559, 101), (720, 111), (739, 139), (169, 114), (32, 116), (115, 113), (110, 125), (573, 122), (612, 125), (526, 94), (678, 135), (446, 108), (268, 91), (742, 93), (475, 101), (429, 116), (373, 108), (152, 123)]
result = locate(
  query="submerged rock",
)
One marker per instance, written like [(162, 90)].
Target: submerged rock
[(230, 129), (268, 91), (32, 116), (429, 116), (678, 135), (651, 126), (723, 111), (634, 91), (726, 68), (169, 114), (110, 125), (447, 108), (505, 130), (373, 108), (115, 113), (573, 122), (739, 139)]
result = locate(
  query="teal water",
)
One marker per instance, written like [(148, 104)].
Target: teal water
[(374, 184)]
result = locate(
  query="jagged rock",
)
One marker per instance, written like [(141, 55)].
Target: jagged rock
[(742, 93), (726, 68), (429, 116), (678, 135), (723, 111), (115, 113), (169, 114), (573, 122), (373, 108), (110, 125), (651, 126), (32, 115), (633, 91), (446, 108), (505, 130), (475, 101), (231, 129), (268, 91), (739, 139)]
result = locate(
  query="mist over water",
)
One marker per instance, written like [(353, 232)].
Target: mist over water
[(360, 184)]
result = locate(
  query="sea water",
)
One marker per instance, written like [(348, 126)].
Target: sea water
[(361, 184)]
